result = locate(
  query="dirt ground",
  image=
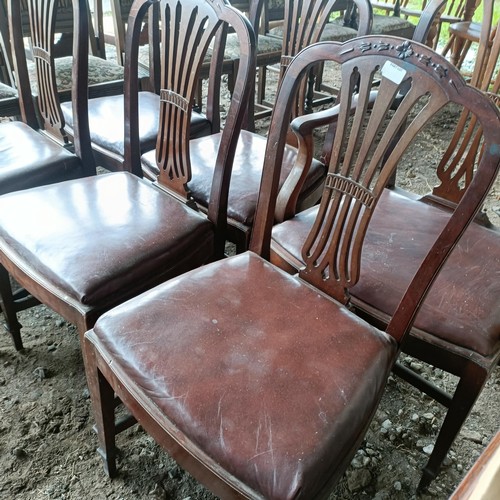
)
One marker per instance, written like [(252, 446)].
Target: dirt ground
[(48, 447)]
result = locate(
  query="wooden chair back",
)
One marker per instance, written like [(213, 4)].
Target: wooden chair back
[(456, 169), (120, 11), (303, 25), (42, 15), (188, 29), (49, 113), (64, 27), (9, 102)]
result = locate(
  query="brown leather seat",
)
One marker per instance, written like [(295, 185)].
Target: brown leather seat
[(245, 177), (257, 395), (28, 159), (123, 250), (110, 139), (390, 259)]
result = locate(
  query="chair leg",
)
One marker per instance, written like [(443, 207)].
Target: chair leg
[(8, 307), (466, 394), (103, 406)]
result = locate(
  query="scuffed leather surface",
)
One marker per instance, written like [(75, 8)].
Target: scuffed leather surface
[(102, 235), (273, 380), (246, 174), (28, 159), (463, 307), (106, 121)]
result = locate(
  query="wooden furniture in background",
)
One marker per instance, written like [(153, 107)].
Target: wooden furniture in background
[(464, 33), (457, 11)]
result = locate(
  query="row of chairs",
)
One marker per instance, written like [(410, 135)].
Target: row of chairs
[(106, 240), (105, 78)]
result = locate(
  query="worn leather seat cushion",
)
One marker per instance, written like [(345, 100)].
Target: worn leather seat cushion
[(106, 122), (29, 159), (269, 391), (246, 174), (463, 307), (103, 236)]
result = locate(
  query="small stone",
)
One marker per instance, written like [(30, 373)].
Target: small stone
[(416, 366), (397, 486), (473, 436), (428, 416), (358, 479), (460, 467), (428, 449), (59, 322), (19, 452), (415, 417), (387, 424), (52, 348), (39, 373)]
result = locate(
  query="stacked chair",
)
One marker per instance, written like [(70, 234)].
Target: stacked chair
[(260, 383), (100, 240)]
